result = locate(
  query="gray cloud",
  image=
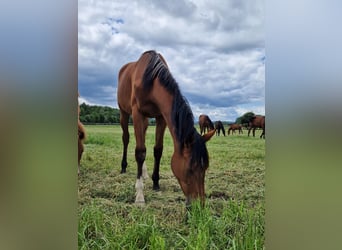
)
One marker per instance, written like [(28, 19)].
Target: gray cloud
[(215, 50)]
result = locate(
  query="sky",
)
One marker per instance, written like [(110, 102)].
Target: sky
[(215, 50)]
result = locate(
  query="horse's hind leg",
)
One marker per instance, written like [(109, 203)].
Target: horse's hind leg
[(125, 139), (158, 150)]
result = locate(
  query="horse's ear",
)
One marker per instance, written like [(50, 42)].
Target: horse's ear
[(208, 135)]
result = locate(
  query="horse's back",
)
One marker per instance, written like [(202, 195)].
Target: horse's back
[(234, 126), (203, 119), (258, 121)]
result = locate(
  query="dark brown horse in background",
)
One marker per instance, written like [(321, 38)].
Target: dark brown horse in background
[(257, 121), (205, 124), (218, 127), (234, 127), (146, 89), (81, 138)]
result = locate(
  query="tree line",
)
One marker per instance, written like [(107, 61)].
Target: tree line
[(91, 114), (245, 118), (99, 114)]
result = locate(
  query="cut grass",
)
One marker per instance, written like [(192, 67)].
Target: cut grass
[(233, 217), (237, 227)]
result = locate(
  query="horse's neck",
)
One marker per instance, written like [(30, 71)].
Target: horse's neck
[(164, 100)]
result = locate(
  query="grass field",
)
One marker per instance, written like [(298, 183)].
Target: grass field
[(233, 217)]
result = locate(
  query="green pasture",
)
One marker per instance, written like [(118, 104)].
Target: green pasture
[(233, 217)]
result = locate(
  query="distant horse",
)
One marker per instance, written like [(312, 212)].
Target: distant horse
[(257, 121), (205, 124), (218, 127), (146, 89), (81, 138), (234, 127)]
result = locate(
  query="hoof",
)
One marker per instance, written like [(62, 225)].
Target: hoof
[(156, 187), (123, 171)]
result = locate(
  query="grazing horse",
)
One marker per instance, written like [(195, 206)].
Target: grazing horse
[(81, 138), (146, 89), (234, 127), (218, 127), (205, 123), (257, 121)]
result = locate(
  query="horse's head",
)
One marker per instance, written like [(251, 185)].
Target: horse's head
[(190, 164)]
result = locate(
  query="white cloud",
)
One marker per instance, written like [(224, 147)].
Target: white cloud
[(215, 50)]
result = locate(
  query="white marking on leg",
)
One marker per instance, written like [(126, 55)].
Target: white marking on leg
[(144, 171), (139, 186)]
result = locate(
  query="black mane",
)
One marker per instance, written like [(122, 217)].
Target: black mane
[(181, 114)]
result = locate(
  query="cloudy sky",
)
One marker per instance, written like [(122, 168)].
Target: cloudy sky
[(215, 50)]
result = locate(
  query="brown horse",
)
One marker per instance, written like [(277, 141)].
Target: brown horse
[(218, 127), (146, 89), (205, 124), (81, 138), (257, 121), (234, 127)]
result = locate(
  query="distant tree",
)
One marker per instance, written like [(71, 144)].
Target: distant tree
[(103, 114), (116, 119), (98, 114), (110, 119), (85, 118), (238, 120), (101, 118), (245, 118), (152, 121)]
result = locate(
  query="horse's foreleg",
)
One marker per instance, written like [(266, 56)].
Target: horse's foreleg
[(140, 155), (140, 125), (254, 132), (158, 150), (125, 139)]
